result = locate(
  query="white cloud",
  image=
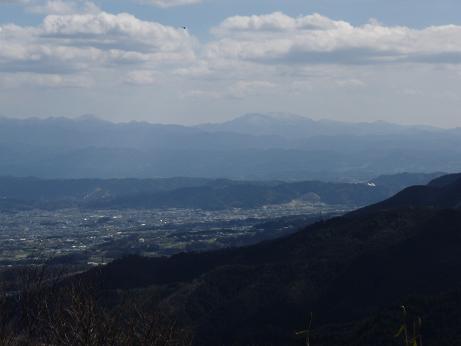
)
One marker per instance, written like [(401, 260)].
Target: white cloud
[(141, 77), (245, 55), (278, 21), (63, 7), (18, 80), (280, 39), (77, 43), (121, 30), (170, 3), (246, 88)]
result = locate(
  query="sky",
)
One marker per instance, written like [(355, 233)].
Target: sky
[(197, 61)]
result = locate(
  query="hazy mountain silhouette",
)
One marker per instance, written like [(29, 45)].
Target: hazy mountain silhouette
[(253, 147), (296, 126)]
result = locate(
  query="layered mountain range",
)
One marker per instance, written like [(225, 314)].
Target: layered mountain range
[(254, 146)]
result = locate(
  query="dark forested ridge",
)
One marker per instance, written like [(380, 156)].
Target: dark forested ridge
[(194, 192), (443, 192), (353, 273)]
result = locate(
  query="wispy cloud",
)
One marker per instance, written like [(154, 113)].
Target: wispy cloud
[(46, 7), (170, 3)]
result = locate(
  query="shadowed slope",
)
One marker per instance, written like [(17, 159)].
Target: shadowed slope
[(344, 270)]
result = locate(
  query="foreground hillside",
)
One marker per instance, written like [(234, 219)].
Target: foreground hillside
[(352, 273)]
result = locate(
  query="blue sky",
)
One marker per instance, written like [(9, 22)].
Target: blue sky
[(351, 60), (202, 16), (416, 13)]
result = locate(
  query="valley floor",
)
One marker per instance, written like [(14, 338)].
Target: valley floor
[(93, 237)]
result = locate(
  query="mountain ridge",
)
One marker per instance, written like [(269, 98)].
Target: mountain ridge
[(296, 126), (92, 148), (443, 192), (197, 192), (346, 270)]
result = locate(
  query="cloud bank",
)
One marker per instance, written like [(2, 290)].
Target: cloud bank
[(262, 58), (79, 44), (315, 39)]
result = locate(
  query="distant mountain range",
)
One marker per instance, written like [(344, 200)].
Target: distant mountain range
[(194, 193), (353, 273), (252, 147), (299, 127)]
